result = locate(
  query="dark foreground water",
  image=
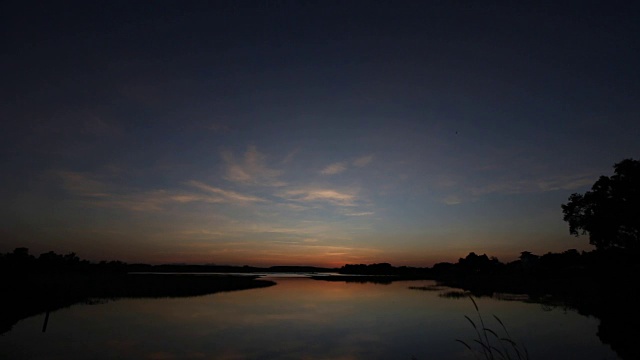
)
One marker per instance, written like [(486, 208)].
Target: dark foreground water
[(299, 318)]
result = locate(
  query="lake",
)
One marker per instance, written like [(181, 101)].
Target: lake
[(300, 318)]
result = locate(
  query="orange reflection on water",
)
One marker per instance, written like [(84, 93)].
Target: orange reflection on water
[(299, 318)]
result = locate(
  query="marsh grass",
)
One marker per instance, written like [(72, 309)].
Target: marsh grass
[(489, 344)]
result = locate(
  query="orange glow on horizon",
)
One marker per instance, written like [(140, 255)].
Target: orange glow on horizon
[(323, 261)]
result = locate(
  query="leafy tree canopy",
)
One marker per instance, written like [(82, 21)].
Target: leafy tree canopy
[(610, 211)]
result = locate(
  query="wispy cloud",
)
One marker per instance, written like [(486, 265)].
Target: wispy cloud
[(218, 128), (143, 202), (200, 233), (334, 168), (290, 156), (226, 194), (80, 183), (452, 200), (154, 200), (251, 169), (363, 161), (92, 191), (323, 195), (365, 213), (566, 182), (338, 167), (466, 193), (541, 184)]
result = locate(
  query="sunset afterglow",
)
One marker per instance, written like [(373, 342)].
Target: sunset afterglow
[(302, 134)]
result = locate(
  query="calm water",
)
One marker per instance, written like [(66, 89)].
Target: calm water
[(299, 318)]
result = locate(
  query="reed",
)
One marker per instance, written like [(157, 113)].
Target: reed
[(491, 345)]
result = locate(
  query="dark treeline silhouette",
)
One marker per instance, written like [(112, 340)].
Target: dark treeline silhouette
[(21, 261), (405, 272), (600, 283), (562, 274), (381, 273), (33, 285)]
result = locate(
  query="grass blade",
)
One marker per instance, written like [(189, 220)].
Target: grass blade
[(487, 348), (471, 321), (499, 352), (501, 324), (474, 303), (492, 332), (465, 344)]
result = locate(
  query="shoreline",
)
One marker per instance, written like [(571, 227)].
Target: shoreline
[(33, 294)]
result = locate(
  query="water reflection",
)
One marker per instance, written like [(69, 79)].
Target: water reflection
[(299, 318)]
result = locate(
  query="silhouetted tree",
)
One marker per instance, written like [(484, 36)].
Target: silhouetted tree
[(610, 212), (474, 262)]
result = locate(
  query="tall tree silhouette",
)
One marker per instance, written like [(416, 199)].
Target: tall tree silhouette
[(610, 212)]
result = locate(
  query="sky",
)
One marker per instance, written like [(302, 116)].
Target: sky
[(309, 132)]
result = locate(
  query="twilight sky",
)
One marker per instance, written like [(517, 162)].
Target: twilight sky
[(309, 132)]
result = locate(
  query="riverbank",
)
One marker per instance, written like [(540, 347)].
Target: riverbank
[(30, 294)]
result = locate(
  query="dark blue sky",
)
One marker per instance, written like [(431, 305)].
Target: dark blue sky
[(316, 132)]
